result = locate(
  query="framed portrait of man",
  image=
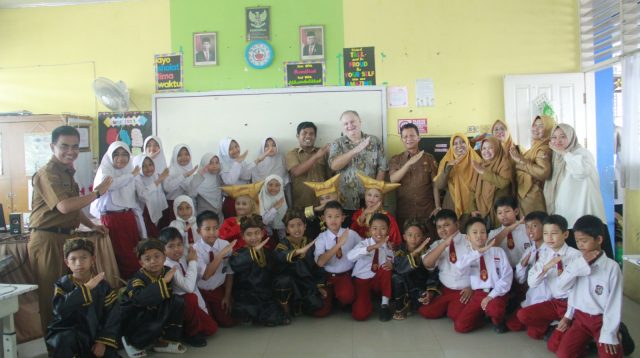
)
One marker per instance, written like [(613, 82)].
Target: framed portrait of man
[(311, 42), (205, 49)]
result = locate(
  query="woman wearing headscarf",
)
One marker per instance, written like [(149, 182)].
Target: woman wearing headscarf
[(455, 175), (533, 167), (492, 179), (115, 207)]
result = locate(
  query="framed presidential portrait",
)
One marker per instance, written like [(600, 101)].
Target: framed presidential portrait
[(205, 49), (311, 42)]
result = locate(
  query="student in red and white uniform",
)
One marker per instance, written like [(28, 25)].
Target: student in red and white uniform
[(511, 236), (490, 275), (538, 294), (444, 254), (215, 276), (332, 246), (595, 302), (185, 221), (197, 322), (373, 259), (553, 261)]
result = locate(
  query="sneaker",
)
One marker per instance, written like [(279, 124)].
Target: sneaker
[(196, 341), (628, 345), (549, 332), (385, 313), (500, 328)]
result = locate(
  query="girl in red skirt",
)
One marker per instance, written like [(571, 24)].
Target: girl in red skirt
[(115, 207), (151, 198), (180, 181)]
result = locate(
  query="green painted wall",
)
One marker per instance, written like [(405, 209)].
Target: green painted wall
[(226, 17)]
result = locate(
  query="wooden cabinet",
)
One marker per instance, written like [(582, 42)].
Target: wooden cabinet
[(23, 144)]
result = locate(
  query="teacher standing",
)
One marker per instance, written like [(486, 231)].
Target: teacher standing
[(355, 151), (56, 213)]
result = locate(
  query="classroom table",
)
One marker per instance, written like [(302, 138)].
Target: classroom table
[(18, 271), (9, 294)]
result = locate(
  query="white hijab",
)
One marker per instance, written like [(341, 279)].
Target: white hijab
[(126, 195), (210, 187), (159, 159), (270, 165), (156, 202), (267, 201), (179, 222), (175, 168), (559, 165), (226, 162)]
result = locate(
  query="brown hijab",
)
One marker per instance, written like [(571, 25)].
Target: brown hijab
[(525, 181), (508, 142), (485, 191)]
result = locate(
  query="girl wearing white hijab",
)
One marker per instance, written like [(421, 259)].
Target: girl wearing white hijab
[(574, 187), (185, 221), (114, 208), (273, 206), (151, 198), (209, 194), (180, 181), (273, 162), (154, 150)]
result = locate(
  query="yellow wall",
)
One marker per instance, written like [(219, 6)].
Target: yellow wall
[(50, 56), (632, 243), (466, 47)]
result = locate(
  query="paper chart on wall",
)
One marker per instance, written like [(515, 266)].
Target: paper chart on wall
[(424, 93), (397, 97)]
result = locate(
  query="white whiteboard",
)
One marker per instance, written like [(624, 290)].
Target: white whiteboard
[(202, 119)]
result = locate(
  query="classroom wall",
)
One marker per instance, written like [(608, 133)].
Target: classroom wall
[(49, 56), (466, 47), (227, 19), (631, 243)]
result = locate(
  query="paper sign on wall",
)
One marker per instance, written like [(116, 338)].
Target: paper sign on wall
[(169, 72), (424, 93), (421, 123), (359, 66), (298, 74), (397, 97)]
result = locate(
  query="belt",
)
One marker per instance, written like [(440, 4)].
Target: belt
[(339, 274), (55, 230), (116, 211)]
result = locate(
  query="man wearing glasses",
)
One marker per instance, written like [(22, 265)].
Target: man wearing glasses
[(56, 213)]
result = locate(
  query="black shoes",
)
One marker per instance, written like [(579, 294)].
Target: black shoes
[(500, 328), (196, 341), (385, 313)]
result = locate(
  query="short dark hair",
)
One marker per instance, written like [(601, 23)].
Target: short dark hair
[(293, 213), (536, 215), (409, 126), (505, 201), (169, 234), (474, 220), (78, 244), (557, 220), (589, 225), (63, 130), (446, 214), (332, 205), (380, 217), (149, 244), (417, 222), (251, 221), (305, 125), (207, 215)]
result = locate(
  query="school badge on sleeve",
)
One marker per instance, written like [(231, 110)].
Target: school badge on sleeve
[(599, 290)]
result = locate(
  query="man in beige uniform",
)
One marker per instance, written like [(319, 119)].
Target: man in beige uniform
[(56, 212)]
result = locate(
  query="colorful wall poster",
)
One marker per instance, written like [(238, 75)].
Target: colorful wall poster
[(359, 66), (421, 123), (129, 127), (169, 72), (299, 74)]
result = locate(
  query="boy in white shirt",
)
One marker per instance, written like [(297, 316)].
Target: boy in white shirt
[(490, 276), (216, 277), (550, 270), (332, 246), (197, 322), (443, 255), (373, 259), (595, 302), (512, 235)]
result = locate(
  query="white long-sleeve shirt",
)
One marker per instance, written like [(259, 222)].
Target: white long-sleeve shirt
[(598, 291), (218, 278), (536, 294), (520, 240), (363, 259), (240, 173), (559, 286), (500, 273), (326, 241), (450, 276), (185, 281), (176, 185)]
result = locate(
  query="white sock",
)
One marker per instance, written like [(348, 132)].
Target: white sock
[(385, 300)]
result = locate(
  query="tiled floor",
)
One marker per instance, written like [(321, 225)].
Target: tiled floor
[(338, 336)]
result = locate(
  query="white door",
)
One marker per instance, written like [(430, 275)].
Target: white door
[(570, 95)]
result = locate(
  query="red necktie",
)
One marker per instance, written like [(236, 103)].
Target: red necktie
[(339, 253), (190, 235), (452, 253), (537, 255), (484, 274), (374, 262), (182, 268), (510, 243), (559, 267), (210, 256)]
